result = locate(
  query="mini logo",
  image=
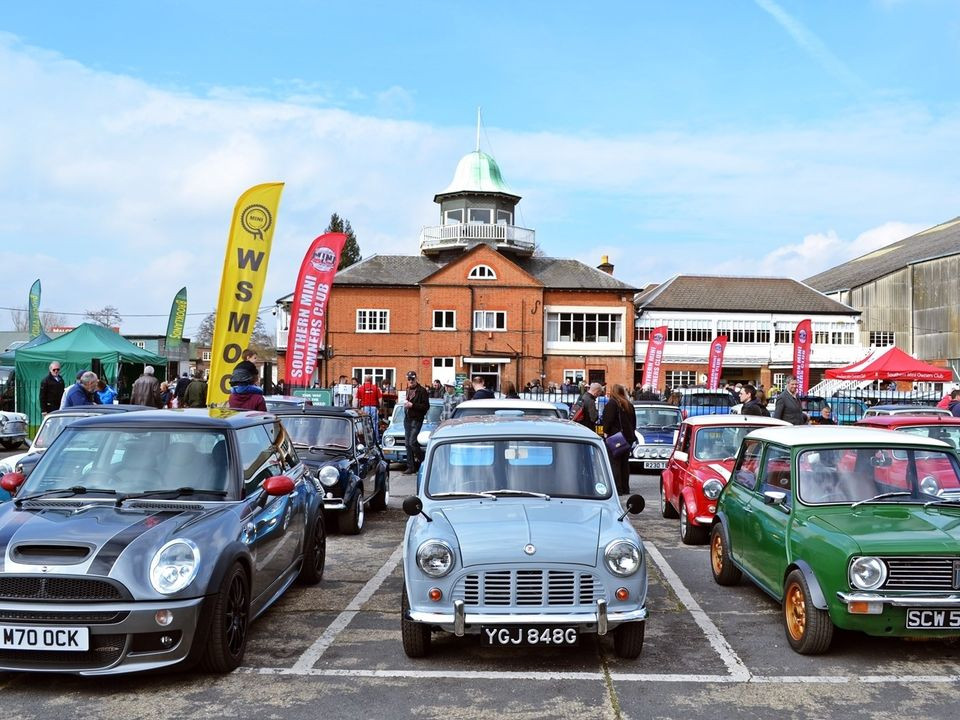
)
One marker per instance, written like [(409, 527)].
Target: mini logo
[(658, 337), (802, 336), (256, 220), (529, 549), (44, 569), (324, 259), (718, 348)]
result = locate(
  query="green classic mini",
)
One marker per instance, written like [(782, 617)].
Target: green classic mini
[(847, 527)]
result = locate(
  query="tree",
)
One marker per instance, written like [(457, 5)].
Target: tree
[(21, 319), (351, 249), (108, 316), (260, 340)]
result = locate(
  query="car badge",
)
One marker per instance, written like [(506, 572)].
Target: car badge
[(529, 549), (44, 568)]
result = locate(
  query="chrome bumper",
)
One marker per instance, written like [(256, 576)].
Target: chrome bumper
[(459, 618), (952, 600), (333, 504)]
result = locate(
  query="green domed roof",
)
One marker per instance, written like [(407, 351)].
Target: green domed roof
[(477, 172)]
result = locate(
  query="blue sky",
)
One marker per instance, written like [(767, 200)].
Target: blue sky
[(744, 136)]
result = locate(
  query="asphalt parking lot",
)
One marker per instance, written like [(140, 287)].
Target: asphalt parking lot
[(334, 651)]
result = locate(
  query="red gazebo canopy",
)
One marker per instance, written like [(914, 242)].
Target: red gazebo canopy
[(891, 364)]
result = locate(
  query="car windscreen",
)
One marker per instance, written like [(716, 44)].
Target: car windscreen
[(552, 467), (53, 425), (658, 417), (949, 434), (433, 413), (717, 443), (123, 461), (708, 400), (318, 431), (462, 412), (853, 474)]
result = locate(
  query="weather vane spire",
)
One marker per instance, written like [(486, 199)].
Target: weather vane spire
[(478, 128)]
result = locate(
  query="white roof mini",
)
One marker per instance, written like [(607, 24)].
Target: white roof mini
[(842, 435), (503, 404), (734, 420)]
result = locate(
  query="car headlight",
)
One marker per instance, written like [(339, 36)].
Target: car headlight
[(622, 557), (712, 488), (868, 573), (174, 566), (665, 451), (328, 476), (929, 485), (389, 440), (435, 558)]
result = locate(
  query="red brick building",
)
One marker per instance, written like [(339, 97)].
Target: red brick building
[(477, 299)]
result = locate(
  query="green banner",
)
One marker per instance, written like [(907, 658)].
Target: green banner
[(34, 310), (178, 318)]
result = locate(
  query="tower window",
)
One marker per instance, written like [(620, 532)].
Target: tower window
[(481, 215), (504, 217), (482, 272), (453, 217)]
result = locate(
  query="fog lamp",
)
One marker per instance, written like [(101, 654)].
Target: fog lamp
[(166, 641), (163, 617)]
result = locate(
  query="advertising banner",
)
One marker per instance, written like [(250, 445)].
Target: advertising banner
[(308, 312), (241, 285), (802, 339), (654, 358), (178, 318), (34, 310), (717, 348)]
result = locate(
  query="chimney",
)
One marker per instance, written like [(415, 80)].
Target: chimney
[(605, 265)]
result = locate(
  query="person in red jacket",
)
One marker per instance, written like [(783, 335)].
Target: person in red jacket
[(245, 393), (369, 398)]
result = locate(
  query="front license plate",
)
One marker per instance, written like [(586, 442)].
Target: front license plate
[(22, 637), (655, 465), (933, 619), (503, 635)]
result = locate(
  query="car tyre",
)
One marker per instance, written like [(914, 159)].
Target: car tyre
[(11, 444), (381, 499), (666, 509), (351, 521), (415, 636), (628, 640), (227, 640), (724, 571), (809, 629), (315, 553), (690, 534)]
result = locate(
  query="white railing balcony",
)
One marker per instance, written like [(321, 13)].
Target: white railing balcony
[(439, 237)]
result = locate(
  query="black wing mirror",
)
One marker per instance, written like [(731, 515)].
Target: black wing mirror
[(413, 506)]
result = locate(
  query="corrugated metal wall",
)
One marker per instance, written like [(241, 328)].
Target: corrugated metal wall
[(885, 304), (936, 308)]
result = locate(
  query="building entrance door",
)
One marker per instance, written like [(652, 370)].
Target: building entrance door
[(490, 372), (597, 376)]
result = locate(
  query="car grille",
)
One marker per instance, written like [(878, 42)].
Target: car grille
[(104, 651), (922, 573), (529, 588), (59, 588), (99, 618), (14, 428)]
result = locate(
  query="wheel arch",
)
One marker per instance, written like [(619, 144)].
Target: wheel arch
[(816, 592)]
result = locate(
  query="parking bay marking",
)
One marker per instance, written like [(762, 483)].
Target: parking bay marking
[(716, 639), (309, 658)]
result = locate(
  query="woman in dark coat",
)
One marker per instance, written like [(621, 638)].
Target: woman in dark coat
[(619, 416)]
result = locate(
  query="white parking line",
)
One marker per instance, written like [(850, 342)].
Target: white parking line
[(716, 639), (309, 658)]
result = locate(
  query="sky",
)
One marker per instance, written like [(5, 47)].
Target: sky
[(754, 137)]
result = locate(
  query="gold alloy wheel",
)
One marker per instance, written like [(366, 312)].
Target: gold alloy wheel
[(716, 554), (795, 611)]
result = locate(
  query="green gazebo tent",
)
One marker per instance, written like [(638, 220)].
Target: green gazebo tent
[(87, 347)]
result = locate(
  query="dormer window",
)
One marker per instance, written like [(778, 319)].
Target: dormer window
[(481, 215), (482, 272)]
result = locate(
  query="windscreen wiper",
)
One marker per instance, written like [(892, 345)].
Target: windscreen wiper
[(177, 492), (519, 493), (463, 494), (75, 490), (881, 496)]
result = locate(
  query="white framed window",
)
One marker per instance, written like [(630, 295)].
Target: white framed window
[(504, 217), (444, 319), (206, 355), (680, 378), (489, 320), (444, 370), (482, 216), (584, 327), (783, 333), (373, 321), (574, 376), (780, 379), (745, 331), (379, 374), (453, 217), (482, 272), (882, 338)]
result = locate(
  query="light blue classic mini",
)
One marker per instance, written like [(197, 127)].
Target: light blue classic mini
[(517, 536)]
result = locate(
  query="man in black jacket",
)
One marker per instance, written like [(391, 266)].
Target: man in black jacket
[(748, 396), (788, 404), (417, 404), (51, 389)]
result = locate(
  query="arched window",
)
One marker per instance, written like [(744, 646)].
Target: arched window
[(482, 272)]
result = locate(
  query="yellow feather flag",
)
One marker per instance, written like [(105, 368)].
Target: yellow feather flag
[(241, 287)]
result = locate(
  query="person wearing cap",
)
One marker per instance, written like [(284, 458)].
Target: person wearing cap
[(417, 403), (450, 399), (245, 393)]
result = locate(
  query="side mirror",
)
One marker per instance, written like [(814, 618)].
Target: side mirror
[(774, 497), (12, 481), (635, 504), (278, 485), (412, 505)]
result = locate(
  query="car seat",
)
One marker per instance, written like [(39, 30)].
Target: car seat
[(138, 468)]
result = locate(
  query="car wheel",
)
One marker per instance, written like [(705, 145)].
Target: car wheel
[(315, 553), (380, 500), (11, 444), (809, 629), (628, 640), (666, 509), (724, 571), (351, 521), (690, 534), (228, 626), (415, 636)]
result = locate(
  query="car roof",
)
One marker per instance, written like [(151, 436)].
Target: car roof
[(479, 426), (800, 435), (503, 404), (906, 420), (652, 403), (87, 410), (699, 420), (322, 410), (906, 408), (186, 418)]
